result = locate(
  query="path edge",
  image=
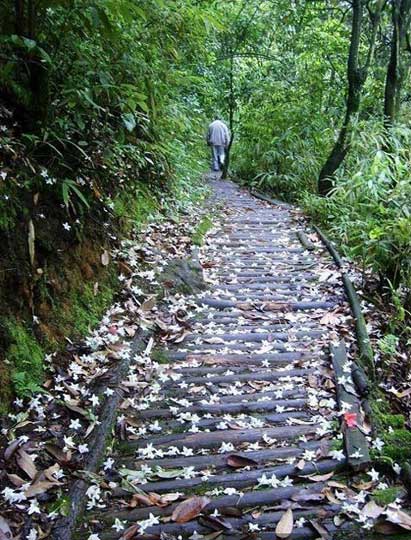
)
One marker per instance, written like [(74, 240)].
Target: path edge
[(363, 339), (64, 526)]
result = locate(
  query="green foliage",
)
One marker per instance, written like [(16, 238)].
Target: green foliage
[(201, 230), (25, 358), (70, 190), (398, 445), (386, 496), (86, 306), (160, 356), (388, 345), (101, 128), (119, 98), (133, 208)]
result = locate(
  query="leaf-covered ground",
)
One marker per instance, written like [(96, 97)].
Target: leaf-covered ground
[(229, 420)]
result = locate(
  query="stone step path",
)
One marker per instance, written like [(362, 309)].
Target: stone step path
[(243, 420)]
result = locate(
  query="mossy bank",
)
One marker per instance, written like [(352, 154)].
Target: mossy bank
[(73, 284)]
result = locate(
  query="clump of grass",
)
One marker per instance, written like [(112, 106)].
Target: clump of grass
[(201, 230)]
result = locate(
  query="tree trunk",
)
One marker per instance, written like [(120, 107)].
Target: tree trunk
[(31, 19), (356, 76), (226, 164), (231, 119), (19, 16), (40, 92), (397, 69), (355, 82)]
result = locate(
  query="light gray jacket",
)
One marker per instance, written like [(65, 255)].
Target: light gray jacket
[(218, 134)]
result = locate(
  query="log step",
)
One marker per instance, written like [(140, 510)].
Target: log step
[(253, 379)]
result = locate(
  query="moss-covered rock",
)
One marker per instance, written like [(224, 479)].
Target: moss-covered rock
[(184, 276)]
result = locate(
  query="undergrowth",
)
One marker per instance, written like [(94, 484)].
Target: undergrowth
[(201, 230)]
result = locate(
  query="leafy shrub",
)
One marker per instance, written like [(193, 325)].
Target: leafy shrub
[(369, 210)]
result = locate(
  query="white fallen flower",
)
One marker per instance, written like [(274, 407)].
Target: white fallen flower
[(337, 454), (356, 455), (68, 443), (286, 482), (189, 472), (374, 475), (265, 481), (378, 444), (232, 491), (118, 525), (361, 496), (155, 426), (108, 464), (225, 447), (34, 507), (12, 496), (396, 468), (95, 400), (268, 440), (149, 522), (93, 494), (309, 455)]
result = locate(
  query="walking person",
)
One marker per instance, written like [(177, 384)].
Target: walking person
[(218, 137)]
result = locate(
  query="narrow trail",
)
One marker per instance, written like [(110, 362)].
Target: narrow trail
[(244, 416)]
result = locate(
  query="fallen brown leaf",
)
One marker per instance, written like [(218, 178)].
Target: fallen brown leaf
[(285, 525), (300, 465), (215, 523), (320, 477), (26, 464), (58, 453), (12, 447), (16, 480), (399, 517), (189, 509), (372, 510), (105, 258), (148, 304), (237, 462), (38, 488)]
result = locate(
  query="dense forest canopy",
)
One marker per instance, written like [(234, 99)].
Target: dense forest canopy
[(104, 104)]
